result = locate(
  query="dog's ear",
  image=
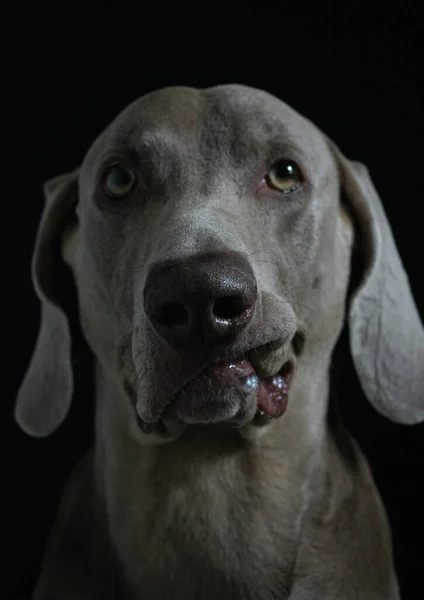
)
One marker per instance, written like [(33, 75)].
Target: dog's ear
[(45, 394), (386, 333)]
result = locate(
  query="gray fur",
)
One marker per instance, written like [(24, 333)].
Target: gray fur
[(208, 512)]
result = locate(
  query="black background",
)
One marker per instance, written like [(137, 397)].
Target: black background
[(356, 71)]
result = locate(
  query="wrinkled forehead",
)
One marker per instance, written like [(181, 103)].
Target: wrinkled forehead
[(225, 120)]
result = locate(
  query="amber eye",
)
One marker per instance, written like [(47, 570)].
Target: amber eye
[(284, 176), (118, 181)]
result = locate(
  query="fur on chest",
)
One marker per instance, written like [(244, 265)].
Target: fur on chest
[(210, 533)]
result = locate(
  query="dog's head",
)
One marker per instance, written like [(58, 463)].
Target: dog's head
[(209, 235)]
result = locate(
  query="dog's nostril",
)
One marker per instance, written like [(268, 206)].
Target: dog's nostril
[(229, 307), (172, 315)]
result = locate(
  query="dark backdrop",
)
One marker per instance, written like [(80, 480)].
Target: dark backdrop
[(355, 71)]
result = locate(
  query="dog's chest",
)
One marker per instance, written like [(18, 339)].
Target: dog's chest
[(237, 572), (208, 541)]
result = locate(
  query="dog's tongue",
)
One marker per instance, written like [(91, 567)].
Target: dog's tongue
[(273, 396), (271, 391)]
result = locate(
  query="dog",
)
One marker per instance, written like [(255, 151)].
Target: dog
[(203, 253)]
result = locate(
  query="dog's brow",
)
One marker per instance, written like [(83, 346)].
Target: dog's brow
[(289, 146), (145, 147)]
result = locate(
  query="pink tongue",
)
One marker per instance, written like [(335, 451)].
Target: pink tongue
[(272, 391), (273, 397)]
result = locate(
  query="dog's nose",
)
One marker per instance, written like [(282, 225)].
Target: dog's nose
[(205, 299)]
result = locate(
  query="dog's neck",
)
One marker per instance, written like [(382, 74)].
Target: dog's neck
[(165, 501)]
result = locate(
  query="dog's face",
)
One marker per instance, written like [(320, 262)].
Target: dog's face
[(210, 249), (211, 255)]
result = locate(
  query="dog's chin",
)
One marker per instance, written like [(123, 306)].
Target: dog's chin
[(231, 394)]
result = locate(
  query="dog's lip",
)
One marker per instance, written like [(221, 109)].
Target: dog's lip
[(245, 366), (233, 362), (262, 397), (239, 364), (250, 396)]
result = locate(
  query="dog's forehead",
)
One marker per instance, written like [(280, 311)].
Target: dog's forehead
[(224, 114), (188, 108)]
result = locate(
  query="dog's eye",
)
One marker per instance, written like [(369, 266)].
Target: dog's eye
[(118, 181), (284, 176)]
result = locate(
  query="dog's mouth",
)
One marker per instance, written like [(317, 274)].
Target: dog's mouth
[(235, 379), (252, 388)]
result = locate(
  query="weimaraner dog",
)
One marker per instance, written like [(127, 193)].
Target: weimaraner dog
[(203, 253)]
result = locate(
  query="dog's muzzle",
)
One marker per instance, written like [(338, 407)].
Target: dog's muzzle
[(201, 307)]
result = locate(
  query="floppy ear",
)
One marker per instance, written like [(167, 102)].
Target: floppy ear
[(45, 394), (386, 333)]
